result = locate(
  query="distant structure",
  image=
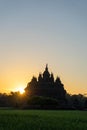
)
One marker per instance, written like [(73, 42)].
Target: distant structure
[(46, 86)]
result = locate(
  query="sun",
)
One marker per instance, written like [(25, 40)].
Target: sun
[(21, 90)]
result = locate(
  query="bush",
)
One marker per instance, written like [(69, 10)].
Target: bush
[(41, 102)]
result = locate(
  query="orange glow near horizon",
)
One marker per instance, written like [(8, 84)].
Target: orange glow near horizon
[(17, 79), (20, 89)]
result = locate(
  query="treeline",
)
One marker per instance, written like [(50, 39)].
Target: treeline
[(18, 101)]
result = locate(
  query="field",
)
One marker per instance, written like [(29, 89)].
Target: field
[(42, 120)]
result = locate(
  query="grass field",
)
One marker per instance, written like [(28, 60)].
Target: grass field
[(42, 120)]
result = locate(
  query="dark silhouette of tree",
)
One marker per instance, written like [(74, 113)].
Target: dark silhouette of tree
[(76, 101), (4, 100), (85, 104)]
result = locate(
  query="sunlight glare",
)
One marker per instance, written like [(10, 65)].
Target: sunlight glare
[(20, 89)]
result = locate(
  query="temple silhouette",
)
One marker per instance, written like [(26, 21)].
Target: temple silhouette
[(45, 85)]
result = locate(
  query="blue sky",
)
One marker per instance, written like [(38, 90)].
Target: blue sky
[(36, 32)]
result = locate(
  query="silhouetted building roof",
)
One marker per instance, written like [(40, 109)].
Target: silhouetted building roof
[(46, 86)]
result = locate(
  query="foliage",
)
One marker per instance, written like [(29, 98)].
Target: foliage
[(76, 101), (42, 120), (16, 100), (42, 101)]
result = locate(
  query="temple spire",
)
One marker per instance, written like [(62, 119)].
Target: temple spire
[(46, 67)]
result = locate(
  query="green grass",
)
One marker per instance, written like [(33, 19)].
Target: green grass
[(42, 120)]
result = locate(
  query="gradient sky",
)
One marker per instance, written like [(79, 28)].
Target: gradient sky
[(36, 32)]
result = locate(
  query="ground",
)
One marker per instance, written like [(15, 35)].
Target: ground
[(42, 120)]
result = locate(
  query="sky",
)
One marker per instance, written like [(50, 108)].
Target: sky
[(36, 32)]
